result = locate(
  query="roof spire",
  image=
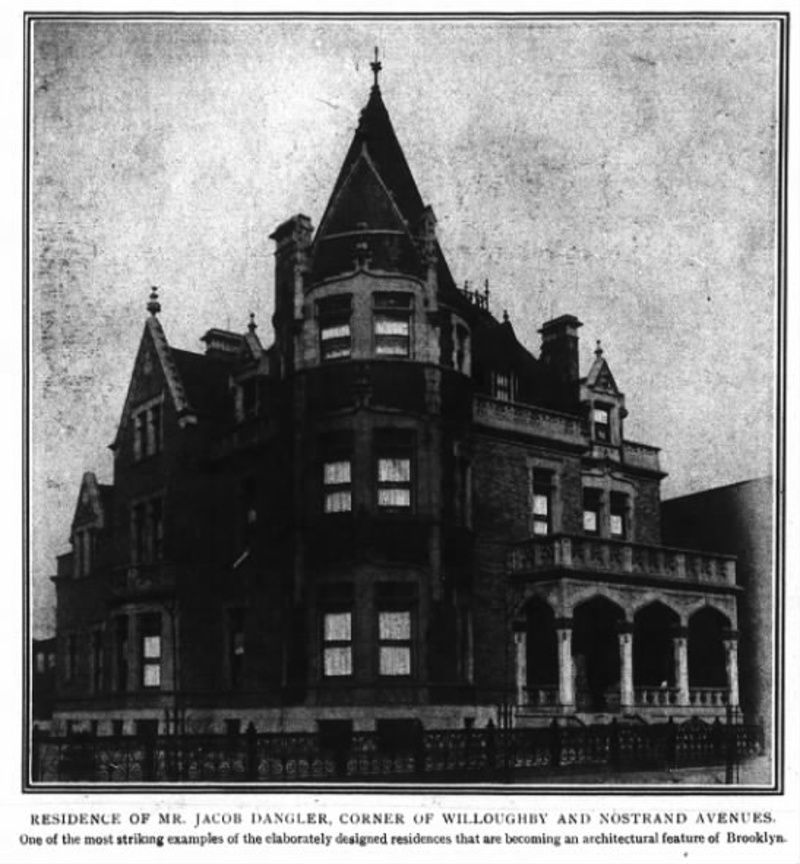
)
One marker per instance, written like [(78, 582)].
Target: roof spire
[(252, 325), (153, 306), (376, 68), (598, 352)]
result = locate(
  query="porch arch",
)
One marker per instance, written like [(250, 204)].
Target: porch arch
[(596, 653), (541, 648), (654, 629), (707, 655)]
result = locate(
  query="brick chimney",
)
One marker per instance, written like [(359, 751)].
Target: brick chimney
[(559, 354), (292, 242)]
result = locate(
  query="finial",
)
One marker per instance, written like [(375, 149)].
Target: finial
[(486, 289), (153, 306), (598, 352), (252, 325), (376, 67), (505, 316)]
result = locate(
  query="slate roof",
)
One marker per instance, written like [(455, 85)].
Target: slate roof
[(206, 383)]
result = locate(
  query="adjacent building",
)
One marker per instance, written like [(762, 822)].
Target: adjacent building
[(389, 513)]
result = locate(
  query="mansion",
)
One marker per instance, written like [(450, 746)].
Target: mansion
[(388, 512)]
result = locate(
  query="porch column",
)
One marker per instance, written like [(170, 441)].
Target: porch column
[(625, 636), (566, 672), (680, 656), (731, 644), (521, 660)]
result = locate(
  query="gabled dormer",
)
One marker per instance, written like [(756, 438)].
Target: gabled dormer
[(156, 389), (603, 403), (92, 513)]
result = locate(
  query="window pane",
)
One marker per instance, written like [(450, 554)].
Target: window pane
[(337, 627), (393, 346), (394, 497), (616, 524), (600, 415), (385, 326), (238, 643), (394, 470), (151, 647), (395, 660), (336, 331), (589, 520), (540, 528), (40, 665), (394, 625), (336, 472), (338, 661), (152, 675), (540, 504), (338, 502)]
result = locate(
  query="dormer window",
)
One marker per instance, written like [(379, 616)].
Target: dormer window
[(248, 399), (392, 324), (147, 431), (82, 543), (601, 423), (334, 327)]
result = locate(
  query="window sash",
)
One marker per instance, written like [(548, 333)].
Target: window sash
[(151, 674), (394, 660), (335, 340), (151, 647), (617, 525), (541, 504), (335, 473), (337, 627), (394, 626), (394, 470), (590, 520), (338, 502), (338, 661)]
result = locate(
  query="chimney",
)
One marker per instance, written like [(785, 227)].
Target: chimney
[(292, 242), (559, 355)]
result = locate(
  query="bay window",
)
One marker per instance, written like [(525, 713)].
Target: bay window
[(392, 324)]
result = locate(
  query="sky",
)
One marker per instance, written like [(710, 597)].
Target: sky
[(620, 171)]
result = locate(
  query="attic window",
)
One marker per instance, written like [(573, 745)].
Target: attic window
[(147, 431), (503, 386), (392, 324), (600, 420), (248, 399)]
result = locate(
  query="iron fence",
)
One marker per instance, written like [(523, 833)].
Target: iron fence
[(440, 755)]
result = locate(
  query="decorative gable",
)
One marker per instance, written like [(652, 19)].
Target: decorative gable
[(89, 511)]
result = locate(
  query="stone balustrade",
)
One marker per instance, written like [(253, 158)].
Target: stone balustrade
[(517, 417), (580, 554), (541, 697), (656, 696), (137, 579), (708, 697)]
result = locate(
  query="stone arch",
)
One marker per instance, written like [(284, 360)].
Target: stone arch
[(654, 627), (595, 648), (707, 658), (613, 595), (541, 644)]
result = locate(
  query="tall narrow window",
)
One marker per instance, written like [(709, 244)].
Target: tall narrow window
[(394, 483), (337, 649), (121, 652), (618, 515), (150, 635), (600, 419), (334, 327), (157, 528), (71, 670), (591, 511), (97, 661), (236, 647), (147, 431), (336, 483), (248, 398), (394, 643), (139, 533), (153, 430), (82, 552), (503, 386), (541, 504), (462, 335), (392, 324)]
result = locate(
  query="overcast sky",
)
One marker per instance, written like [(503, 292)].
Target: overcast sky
[(623, 172)]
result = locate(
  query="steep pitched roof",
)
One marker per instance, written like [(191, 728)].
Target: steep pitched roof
[(600, 377), (206, 382), (94, 502), (376, 133)]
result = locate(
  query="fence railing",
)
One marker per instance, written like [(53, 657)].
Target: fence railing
[(426, 756)]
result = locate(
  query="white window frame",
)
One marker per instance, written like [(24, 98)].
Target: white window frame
[(337, 483), (337, 644), (394, 642)]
